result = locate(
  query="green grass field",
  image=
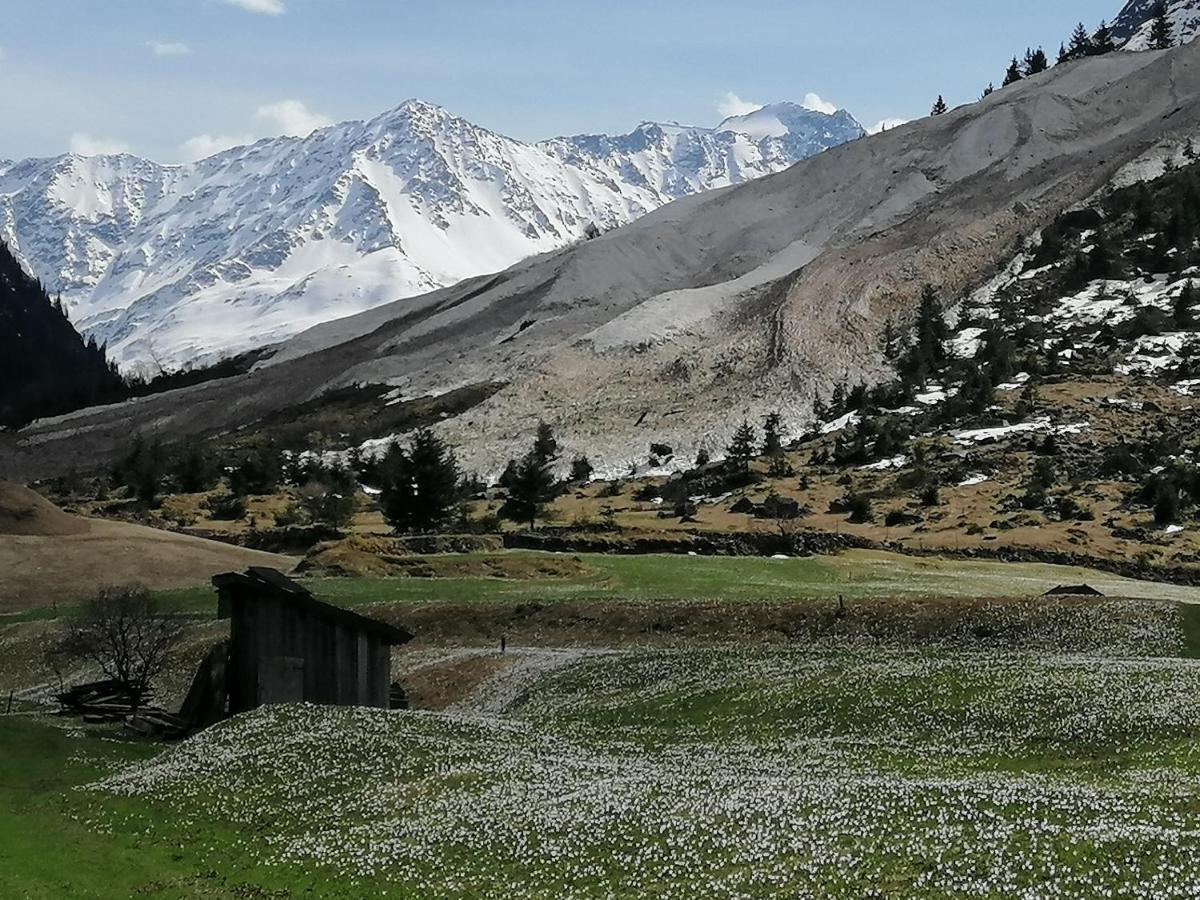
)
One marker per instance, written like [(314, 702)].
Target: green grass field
[(1061, 759), (854, 574)]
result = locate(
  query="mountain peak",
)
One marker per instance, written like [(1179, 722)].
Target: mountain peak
[(354, 216), (784, 118), (413, 110)]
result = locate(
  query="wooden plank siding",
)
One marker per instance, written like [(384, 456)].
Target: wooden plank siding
[(287, 646)]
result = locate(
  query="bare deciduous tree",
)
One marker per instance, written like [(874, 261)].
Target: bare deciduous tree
[(123, 632)]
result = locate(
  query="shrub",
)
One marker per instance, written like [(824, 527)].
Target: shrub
[(857, 505), (581, 470), (290, 515), (226, 507), (1070, 509)]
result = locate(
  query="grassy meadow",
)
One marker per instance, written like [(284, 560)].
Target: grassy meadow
[(1022, 748)]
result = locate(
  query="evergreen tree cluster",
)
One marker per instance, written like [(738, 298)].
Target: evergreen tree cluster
[(1167, 208), (46, 368), (1082, 43)]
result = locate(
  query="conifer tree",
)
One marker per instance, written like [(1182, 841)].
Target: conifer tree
[(545, 446), (532, 486), (989, 90), (927, 356), (891, 340), (1100, 261), (1162, 35), (1081, 43), (1102, 41), (1185, 305), (420, 484), (741, 449), (820, 409), (143, 469), (194, 470), (837, 402), (1013, 75), (1063, 54), (772, 435), (1036, 61), (939, 108)]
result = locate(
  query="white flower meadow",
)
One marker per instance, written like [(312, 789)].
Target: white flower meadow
[(835, 771)]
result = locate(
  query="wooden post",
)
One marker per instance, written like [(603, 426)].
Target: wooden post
[(10, 702), (503, 644)]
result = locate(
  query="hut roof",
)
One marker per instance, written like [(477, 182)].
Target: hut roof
[(258, 581), (1074, 590)]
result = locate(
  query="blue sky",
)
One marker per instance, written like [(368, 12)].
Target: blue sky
[(172, 79)]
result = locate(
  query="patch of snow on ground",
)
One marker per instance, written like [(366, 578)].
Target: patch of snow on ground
[(839, 424), (1016, 384), (896, 462), (1033, 426), (1154, 354), (934, 395), (966, 343), (974, 480)]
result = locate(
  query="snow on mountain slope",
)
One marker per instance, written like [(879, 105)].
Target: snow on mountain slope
[(719, 306), (178, 265), (1133, 24)]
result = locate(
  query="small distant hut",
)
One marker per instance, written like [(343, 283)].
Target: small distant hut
[(285, 646), (1073, 590)]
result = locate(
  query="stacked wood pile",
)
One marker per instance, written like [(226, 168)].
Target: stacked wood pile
[(105, 702)]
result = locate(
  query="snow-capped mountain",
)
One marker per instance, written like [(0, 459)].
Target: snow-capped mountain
[(178, 265), (1132, 26)]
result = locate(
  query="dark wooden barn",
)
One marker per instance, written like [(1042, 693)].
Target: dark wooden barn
[(285, 646)]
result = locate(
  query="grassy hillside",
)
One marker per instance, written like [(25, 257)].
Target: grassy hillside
[(665, 726), (719, 772)]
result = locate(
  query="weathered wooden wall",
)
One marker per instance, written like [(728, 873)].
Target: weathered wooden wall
[(282, 653)]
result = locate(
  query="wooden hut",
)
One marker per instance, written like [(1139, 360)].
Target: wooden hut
[(285, 646)]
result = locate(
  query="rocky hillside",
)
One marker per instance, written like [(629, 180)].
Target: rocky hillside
[(725, 305), (174, 266)]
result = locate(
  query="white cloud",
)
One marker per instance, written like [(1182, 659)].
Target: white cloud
[(268, 7), (287, 117), (816, 104), (203, 146), (88, 145), (168, 48), (291, 117), (886, 125), (730, 104)]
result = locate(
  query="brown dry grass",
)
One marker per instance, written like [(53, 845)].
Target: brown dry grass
[(439, 685), (381, 557), (75, 556)]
